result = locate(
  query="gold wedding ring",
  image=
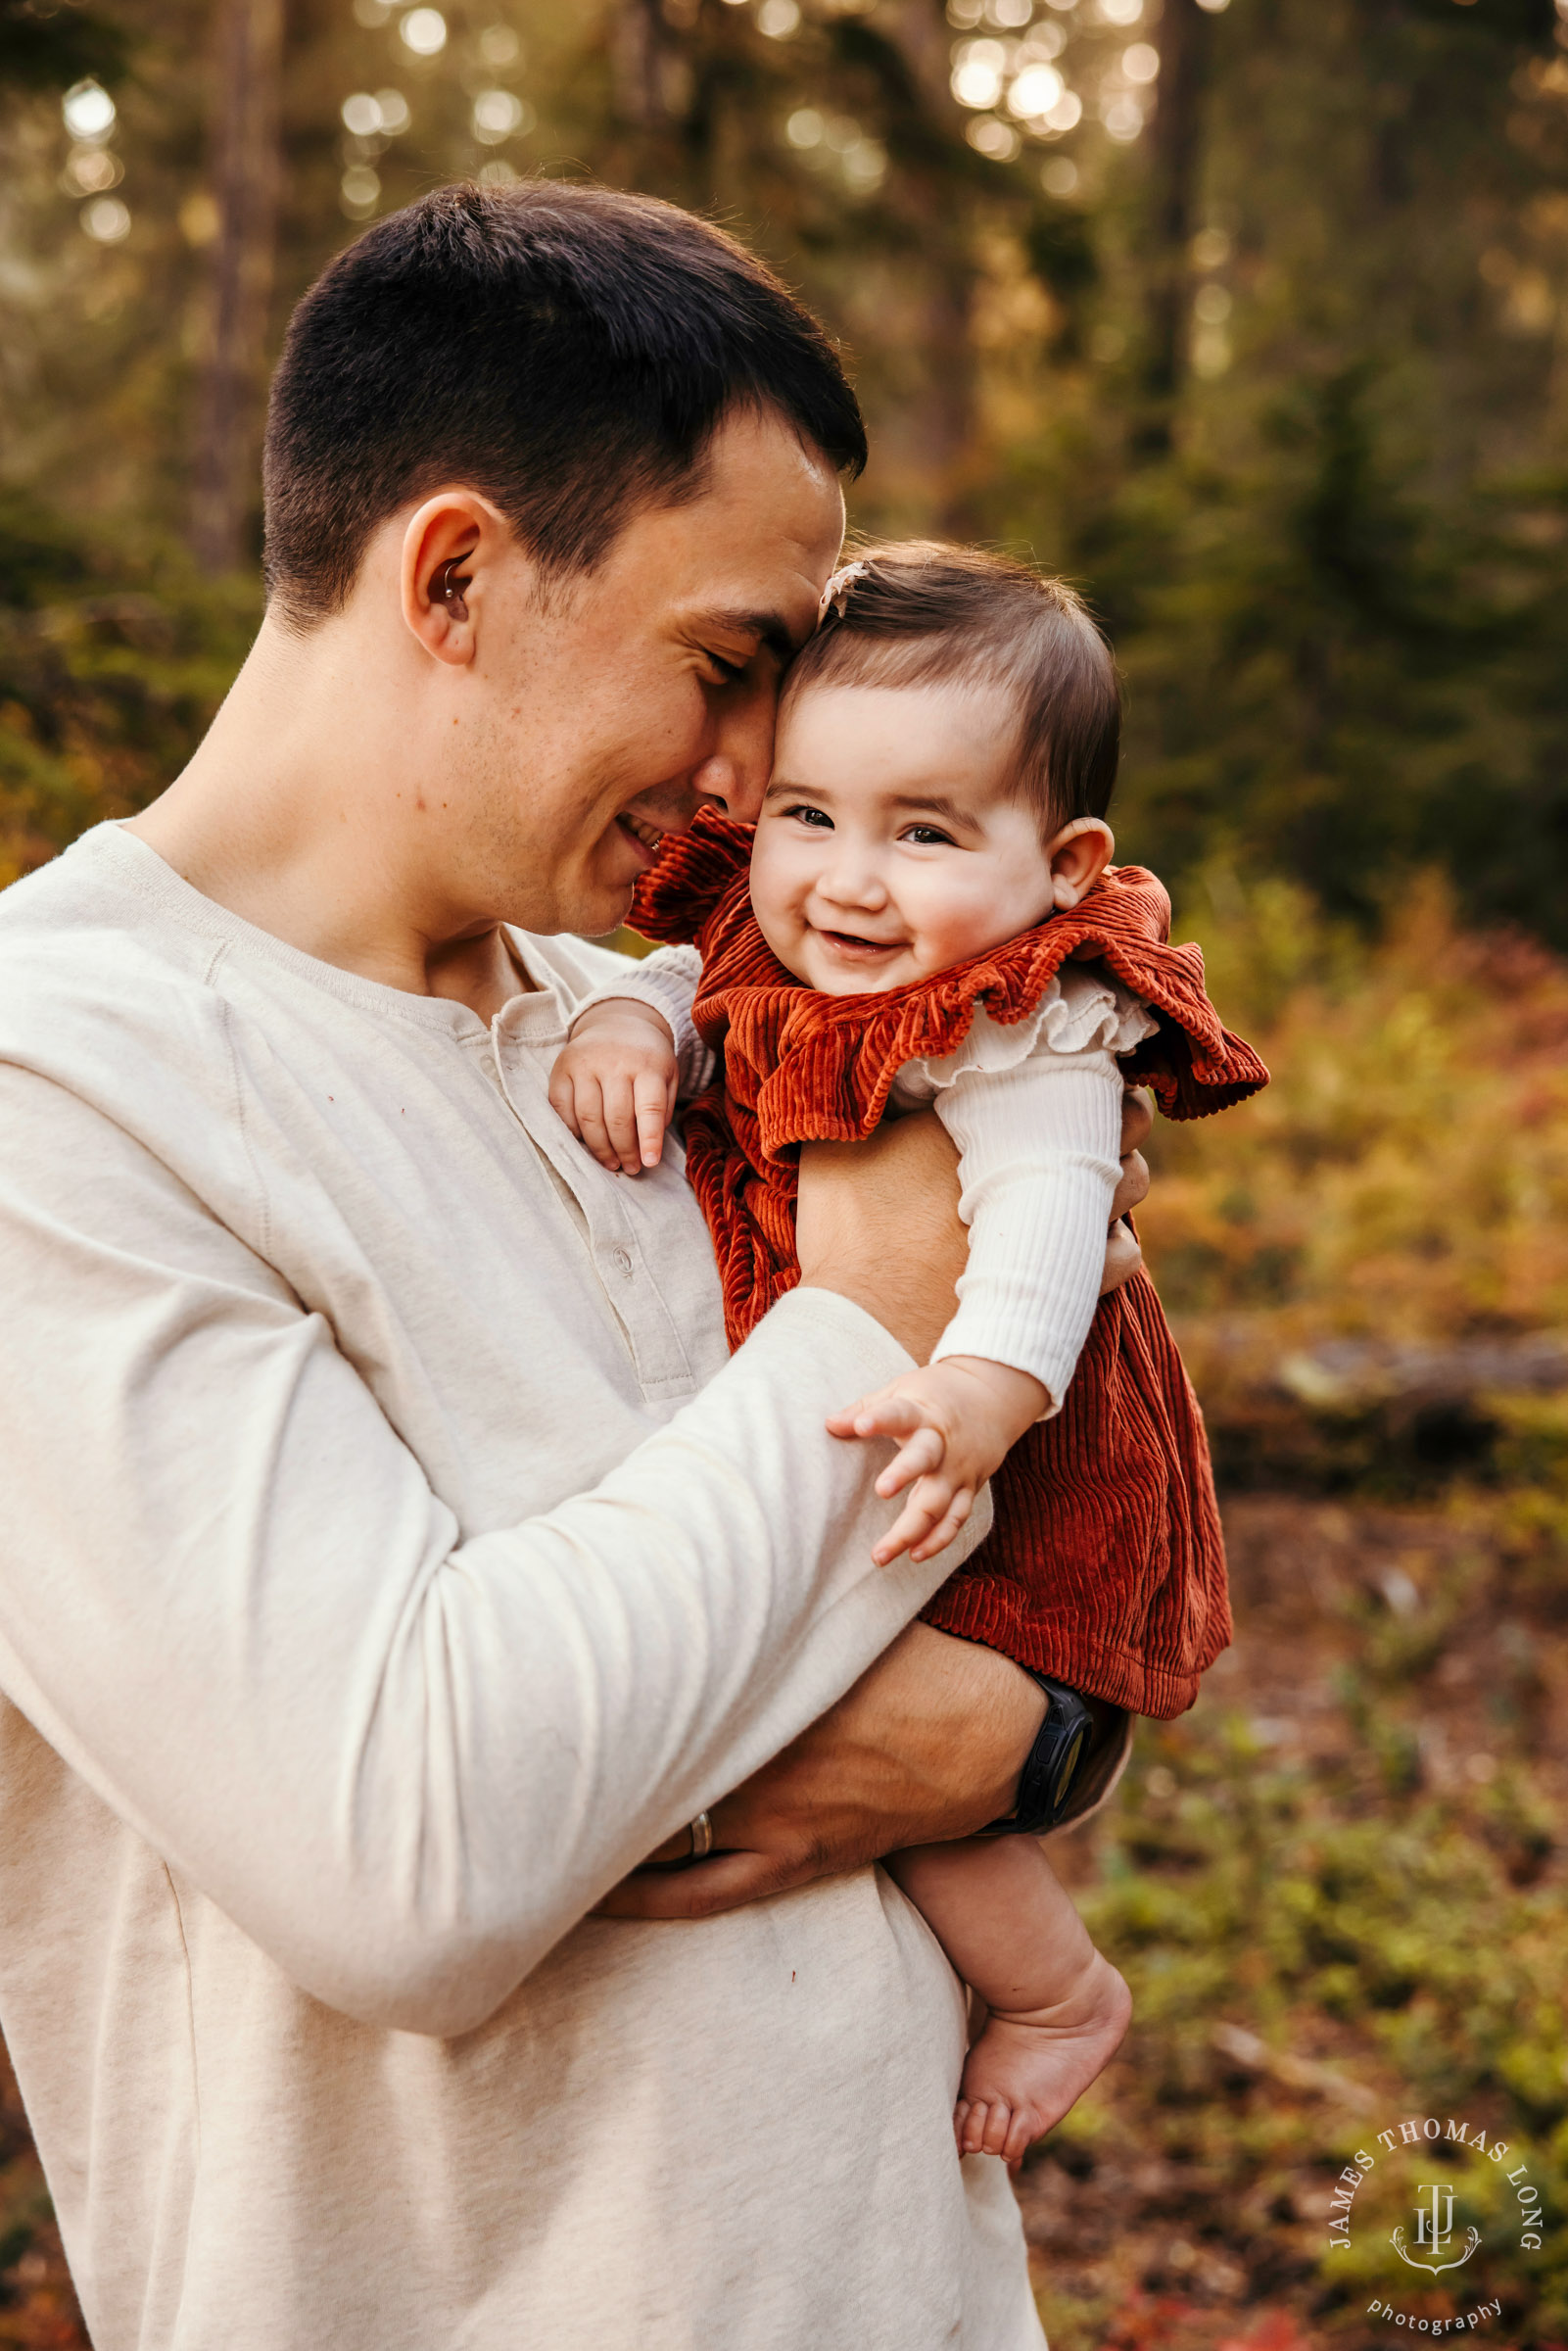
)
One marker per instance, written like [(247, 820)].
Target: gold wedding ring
[(701, 1837)]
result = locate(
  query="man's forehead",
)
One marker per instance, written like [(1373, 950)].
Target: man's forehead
[(765, 498), (750, 550)]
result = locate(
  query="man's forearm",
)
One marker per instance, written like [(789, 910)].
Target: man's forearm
[(927, 1745), (402, 1762)]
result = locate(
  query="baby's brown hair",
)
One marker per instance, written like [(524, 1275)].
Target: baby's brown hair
[(924, 613)]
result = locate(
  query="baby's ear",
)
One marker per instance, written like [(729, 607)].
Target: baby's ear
[(1079, 855)]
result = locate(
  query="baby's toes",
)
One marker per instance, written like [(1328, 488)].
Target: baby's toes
[(998, 2127), (1024, 2129)]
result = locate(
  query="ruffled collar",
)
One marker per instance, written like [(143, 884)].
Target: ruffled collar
[(811, 1067)]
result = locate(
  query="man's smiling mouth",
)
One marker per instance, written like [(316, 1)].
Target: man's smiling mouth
[(648, 837)]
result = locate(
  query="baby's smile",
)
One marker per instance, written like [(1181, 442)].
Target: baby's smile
[(857, 948), (892, 843)]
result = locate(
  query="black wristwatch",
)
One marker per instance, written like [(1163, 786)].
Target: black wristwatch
[(1054, 1765)]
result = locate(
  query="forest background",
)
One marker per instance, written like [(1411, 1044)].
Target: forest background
[(1252, 316)]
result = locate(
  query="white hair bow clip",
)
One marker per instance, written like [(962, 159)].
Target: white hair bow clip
[(836, 593)]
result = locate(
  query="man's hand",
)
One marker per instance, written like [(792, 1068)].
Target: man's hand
[(926, 1746), (1123, 1256), (878, 1221)]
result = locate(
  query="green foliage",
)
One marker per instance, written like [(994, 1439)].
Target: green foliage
[(111, 663), (1402, 1185), (1335, 562)]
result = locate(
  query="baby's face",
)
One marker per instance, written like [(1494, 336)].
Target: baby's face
[(887, 847)]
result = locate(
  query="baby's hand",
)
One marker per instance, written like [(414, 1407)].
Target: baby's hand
[(958, 1417), (614, 1083)]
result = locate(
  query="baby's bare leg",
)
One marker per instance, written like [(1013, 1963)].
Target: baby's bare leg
[(1057, 2008)]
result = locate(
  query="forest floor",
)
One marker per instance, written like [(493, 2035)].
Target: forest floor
[(1337, 1890)]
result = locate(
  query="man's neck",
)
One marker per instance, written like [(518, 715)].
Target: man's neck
[(292, 815)]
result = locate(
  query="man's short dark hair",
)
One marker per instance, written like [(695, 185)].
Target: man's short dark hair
[(566, 351), (924, 613)]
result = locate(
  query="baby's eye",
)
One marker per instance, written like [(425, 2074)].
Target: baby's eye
[(929, 836), (817, 818)]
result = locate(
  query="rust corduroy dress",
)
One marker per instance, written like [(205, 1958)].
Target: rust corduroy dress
[(1105, 1565)]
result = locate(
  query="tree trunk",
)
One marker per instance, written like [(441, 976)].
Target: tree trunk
[(946, 419), (1186, 31), (246, 168), (636, 45)]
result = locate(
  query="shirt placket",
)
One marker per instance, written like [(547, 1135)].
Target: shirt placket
[(525, 1036)]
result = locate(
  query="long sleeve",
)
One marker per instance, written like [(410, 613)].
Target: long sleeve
[(667, 982), (1036, 1110), (403, 1761), (1037, 1150)]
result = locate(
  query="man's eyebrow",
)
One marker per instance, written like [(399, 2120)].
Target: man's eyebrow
[(769, 628)]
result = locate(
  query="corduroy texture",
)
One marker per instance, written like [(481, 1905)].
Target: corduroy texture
[(1106, 1566)]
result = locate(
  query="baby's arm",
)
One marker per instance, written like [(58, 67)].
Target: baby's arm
[(1038, 1147), (1057, 2008), (631, 1055)]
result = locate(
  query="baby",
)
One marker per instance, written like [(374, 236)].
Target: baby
[(899, 932)]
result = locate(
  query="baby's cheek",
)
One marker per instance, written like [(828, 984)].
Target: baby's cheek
[(776, 906), (981, 908), (965, 924)]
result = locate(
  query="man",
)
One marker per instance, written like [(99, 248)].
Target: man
[(390, 1557)]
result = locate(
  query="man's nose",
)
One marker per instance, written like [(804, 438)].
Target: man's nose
[(734, 774)]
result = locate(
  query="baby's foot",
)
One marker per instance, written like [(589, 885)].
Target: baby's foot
[(1030, 2066)]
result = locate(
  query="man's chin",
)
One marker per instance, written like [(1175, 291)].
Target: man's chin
[(598, 909)]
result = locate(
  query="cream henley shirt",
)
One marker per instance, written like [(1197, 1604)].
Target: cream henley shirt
[(390, 1556)]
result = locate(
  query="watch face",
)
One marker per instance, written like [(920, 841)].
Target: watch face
[(1067, 1770)]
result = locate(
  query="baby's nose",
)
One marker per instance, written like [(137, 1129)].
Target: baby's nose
[(853, 879)]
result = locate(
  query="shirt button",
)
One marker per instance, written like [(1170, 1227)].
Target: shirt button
[(621, 1259)]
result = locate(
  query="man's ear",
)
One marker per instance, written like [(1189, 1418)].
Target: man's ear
[(1079, 855), (449, 545)]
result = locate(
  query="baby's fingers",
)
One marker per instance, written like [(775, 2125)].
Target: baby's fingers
[(592, 1125), (623, 1126), (918, 1459), (651, 1110), (886, 1415), (947, 1526), (563, 1097), (927, 1506)]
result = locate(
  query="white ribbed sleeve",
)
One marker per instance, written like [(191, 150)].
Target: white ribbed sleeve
[(1037, 1147), (1035, 1110)]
